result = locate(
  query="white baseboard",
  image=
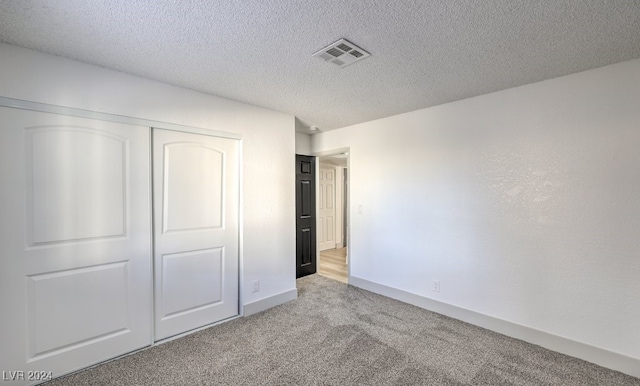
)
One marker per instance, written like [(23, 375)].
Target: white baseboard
[(593, 354), (271, 301)]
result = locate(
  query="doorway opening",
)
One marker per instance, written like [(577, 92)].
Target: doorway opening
[(332, 214)]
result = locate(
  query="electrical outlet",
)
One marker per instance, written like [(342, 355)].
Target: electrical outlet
[(436, 285), (256, 285)]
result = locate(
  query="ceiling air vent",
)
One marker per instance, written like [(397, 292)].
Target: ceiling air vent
[(342, 53)]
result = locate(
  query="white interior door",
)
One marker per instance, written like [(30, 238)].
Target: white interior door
[(75, 267), (327, 209), (196, 188)]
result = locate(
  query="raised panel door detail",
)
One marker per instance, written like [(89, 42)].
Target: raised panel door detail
[(305, 239), (77, 306), (191, 280), (305, 167), (193, 173), (329, 230), (91, 161), (305, 196), (329, 197)]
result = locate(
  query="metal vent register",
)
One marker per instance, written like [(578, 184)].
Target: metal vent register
[(342, 53)]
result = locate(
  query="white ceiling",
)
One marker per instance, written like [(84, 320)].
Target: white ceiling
[(423, 52)]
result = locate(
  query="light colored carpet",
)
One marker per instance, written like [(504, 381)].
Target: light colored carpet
[(334, 334)]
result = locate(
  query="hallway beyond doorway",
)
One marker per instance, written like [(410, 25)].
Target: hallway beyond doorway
[(333, 264)]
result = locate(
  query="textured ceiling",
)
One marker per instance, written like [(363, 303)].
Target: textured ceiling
[(424, 52)]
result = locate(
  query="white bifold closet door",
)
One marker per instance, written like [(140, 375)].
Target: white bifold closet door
[(195, 204), (75, 268)]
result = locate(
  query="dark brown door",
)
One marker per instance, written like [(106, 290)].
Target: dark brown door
[(305, 215)]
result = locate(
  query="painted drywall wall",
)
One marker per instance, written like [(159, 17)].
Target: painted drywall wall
[(523, 203), (303, 144), (267, 138)]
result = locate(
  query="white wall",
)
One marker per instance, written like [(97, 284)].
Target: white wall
[(303, 144), (267, 136), (524, 203)]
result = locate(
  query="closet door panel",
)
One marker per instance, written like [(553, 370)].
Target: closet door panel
[(76, 240), (196, 189)]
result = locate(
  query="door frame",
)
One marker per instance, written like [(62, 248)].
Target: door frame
[(151, 124), (347, 231)]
